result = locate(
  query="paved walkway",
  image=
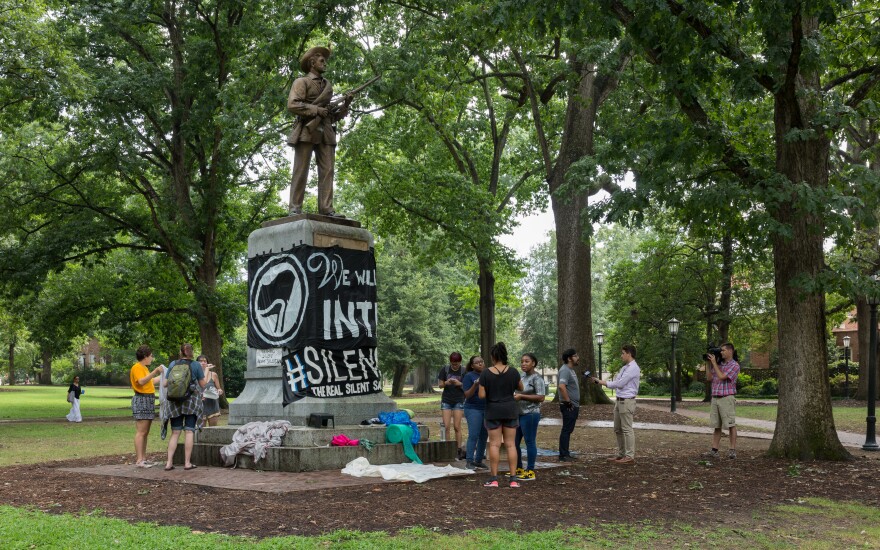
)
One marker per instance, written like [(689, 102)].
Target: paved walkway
[(847, 439)]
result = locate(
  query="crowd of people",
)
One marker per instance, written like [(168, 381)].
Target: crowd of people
[(502, 407)]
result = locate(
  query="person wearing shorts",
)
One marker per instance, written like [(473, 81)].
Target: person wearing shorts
[(143, 403), (452, 400), (185, 413), (723, 412), (210, 406), (498, 385)]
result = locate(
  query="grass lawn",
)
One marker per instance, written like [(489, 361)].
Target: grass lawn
[(811, 523), (32, 442), (38, 402)]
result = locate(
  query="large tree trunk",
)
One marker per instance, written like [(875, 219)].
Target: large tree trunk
[(720, 319), (804, 421), (46, 375), (486, 283), (397, 380), (212, 341), (574, 270), (423, 379), (12, 360)]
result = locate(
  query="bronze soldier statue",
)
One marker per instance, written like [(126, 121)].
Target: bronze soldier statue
[(314, 130)]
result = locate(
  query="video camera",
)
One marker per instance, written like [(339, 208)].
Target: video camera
[(711, 350)]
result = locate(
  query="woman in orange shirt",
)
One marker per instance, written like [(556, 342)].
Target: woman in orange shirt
[(143, 403)]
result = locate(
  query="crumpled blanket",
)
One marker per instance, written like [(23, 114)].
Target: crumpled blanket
[(253, 439), (361, 467)]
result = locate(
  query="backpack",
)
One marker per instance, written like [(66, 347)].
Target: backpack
[(179, 378)]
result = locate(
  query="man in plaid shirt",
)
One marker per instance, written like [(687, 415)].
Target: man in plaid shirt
[(723, 380)]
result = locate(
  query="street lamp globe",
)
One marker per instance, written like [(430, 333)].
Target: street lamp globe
[(673, 326), (600, 338), (846, 340)]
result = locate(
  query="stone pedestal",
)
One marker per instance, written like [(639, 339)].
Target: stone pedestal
[(262, 398)]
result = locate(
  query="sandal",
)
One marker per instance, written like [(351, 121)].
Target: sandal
[(169, 468), (190, 467), (491, 483)]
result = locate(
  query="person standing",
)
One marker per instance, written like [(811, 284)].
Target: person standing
[(143, 403), (314, 131), (723, 412), (74, 415), (183, 413), (211, 405), (452, 399), (498, 385), (530, 399), (474, 414), (569, 401), (626, 383)]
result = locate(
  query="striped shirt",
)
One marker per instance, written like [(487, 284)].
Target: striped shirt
[(727, 386)]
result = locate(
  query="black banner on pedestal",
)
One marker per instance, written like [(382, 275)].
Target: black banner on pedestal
[(316, 372), (319, 297)]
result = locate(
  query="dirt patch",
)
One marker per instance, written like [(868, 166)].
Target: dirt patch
[(668, 482)]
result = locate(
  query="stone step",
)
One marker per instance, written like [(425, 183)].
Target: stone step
[(300, 436), (306, 459)]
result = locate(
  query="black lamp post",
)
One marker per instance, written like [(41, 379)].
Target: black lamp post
[(600, 339), (673, 331), (846, 366), (870, 436)]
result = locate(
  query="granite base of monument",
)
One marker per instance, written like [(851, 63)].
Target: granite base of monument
[(263, 396), (308, 449)]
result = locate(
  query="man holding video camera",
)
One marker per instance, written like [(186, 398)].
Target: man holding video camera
[(722, 376), (627, 385)]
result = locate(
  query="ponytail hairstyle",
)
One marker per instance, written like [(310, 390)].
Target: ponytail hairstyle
[(499, 353)]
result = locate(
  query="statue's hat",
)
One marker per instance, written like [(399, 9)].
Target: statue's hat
[(304, 60)]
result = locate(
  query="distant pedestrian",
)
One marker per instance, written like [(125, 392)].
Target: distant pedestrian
[(210, 404), (184, 408), (530, 399), (498, 384), (452, 399), (74, 391), (474, 413), (626, 385), (569, 401), (143, 403), (723, 412)]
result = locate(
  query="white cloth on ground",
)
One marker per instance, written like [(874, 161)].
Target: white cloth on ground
[(74, 414), (361, 467), (253, 439)]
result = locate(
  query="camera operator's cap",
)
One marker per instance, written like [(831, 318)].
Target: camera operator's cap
[(304, 60)]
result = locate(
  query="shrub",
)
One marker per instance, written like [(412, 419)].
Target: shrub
[(742, 381), (769, 387), (749, 391), (696, 389)]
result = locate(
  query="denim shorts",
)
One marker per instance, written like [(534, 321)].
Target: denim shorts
[(506, 423), (451, 406), (178, 422)]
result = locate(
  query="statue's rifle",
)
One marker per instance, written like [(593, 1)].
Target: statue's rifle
[(340, 102)]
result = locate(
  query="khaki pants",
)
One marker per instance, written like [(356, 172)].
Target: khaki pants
[(723, 412), (623, 427), (325, 156)]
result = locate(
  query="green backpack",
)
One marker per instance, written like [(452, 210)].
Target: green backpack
[(179, 378)]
